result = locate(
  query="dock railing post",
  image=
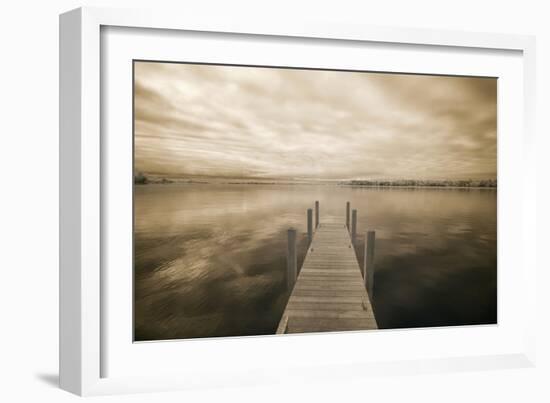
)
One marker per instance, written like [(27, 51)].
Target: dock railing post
[(347, 215), (291, 260), (316, 214), (368, 264), (364, 265), (353, 226), (309, 226)]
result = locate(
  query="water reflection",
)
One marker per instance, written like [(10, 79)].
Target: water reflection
[(210, 259)]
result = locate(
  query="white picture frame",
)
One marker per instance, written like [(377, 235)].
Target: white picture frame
[(85, 345)]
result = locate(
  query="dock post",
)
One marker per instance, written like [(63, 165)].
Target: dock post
[(309, 226), (353, 226), (316, 214), (347, 215), (291, 260), (368, 263)]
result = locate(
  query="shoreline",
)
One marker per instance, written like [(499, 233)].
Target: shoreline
[(322, 184)]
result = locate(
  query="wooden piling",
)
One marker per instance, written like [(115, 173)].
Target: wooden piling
[(347, 215), (368, 263), (309, 226), (291, 259), (353, 226), (363, 266), (316, 214)]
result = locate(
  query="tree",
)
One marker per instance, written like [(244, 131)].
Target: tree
[(140, 179)]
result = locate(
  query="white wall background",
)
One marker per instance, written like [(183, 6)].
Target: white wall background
[(29, 201)]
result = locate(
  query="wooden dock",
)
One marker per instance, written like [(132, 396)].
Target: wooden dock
[(329, 293)]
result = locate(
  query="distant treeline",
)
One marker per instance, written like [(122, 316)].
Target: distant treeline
[(469, 183), (141, 179)]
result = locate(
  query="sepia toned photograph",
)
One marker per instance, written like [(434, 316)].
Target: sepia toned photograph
[(272, 200)]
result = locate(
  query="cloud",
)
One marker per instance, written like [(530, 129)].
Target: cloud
[(224, 121)]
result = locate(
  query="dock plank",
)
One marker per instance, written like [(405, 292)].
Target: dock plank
[(305, 325), (329, 293)]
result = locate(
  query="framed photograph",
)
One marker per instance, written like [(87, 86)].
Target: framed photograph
[(245, 200)]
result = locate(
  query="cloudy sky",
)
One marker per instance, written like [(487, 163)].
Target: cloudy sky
[(266, 123)]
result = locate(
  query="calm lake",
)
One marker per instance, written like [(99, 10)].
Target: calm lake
[(210, 260)]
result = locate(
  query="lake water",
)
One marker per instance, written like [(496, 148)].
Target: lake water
[(210, 260)]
